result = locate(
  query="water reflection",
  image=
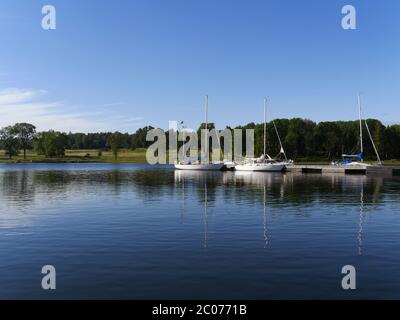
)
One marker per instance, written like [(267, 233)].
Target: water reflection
[(288, 189), (255, 234), (293, 189), (20, 188), (23, 187)]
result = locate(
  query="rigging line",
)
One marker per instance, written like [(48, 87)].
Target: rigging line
[(279, 138)]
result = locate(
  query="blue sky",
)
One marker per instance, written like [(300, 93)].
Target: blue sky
[(123, 64)]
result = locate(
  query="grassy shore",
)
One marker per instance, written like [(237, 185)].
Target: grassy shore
[(124, 156), (76, 156)]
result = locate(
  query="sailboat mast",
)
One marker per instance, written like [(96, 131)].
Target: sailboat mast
[(265, 124), (361, 134), (206, 132)]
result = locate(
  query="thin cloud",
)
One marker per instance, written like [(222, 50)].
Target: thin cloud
[(14, 96), (113, 104), (20, 105)]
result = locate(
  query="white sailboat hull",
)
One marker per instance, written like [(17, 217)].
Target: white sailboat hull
[(200, 166), (355, 164), (264, 167)]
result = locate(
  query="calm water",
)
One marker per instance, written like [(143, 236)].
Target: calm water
[(133, 231)]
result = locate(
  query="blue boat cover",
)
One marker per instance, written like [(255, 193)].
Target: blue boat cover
[(359, 156)]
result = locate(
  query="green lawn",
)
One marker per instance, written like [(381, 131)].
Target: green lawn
[(125, 155)]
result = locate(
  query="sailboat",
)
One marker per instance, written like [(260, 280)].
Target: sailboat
[(265, 162), (201, 165), (360, 156)]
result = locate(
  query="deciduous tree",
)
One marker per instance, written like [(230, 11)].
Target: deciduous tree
[(25, 133)]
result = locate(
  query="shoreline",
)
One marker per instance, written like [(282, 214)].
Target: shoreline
[(94, 161), (137, 156)]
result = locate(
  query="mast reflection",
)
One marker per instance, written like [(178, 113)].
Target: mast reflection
[(284, 190), (361, 220), (266, 238), (205, 217)]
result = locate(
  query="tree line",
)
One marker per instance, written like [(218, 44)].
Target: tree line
[(327, 140), (23, 136), (301, 139)]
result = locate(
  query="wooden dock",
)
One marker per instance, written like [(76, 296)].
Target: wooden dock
[(362, 170)]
